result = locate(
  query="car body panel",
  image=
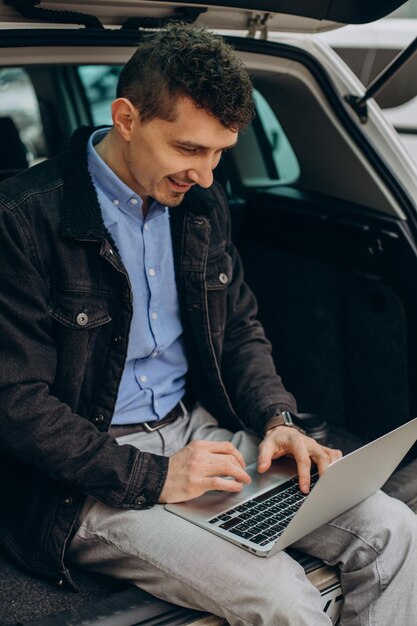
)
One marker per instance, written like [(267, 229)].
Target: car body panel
[(368, 50)]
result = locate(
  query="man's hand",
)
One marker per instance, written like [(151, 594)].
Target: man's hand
[(282, 440), (202, 466)]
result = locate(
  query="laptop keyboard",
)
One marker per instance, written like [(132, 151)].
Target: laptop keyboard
[(264, 518)]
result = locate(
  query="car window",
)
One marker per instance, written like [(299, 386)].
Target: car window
[(100, 83), (264, 154), (19, 106)]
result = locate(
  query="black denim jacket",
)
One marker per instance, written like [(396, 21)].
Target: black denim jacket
[(65, 312)]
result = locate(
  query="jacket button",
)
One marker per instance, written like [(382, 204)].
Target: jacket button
[(199, 221), (82, 319), (99, 418), (223, 278), (60, 582), (141, 501), (117, 339), (67, 500)]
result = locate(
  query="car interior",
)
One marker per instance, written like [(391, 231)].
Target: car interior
[(325, 233)]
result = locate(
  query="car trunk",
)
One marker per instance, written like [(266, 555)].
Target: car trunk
[(336, 306)]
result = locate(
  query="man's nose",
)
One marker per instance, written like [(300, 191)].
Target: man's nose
[(203, 174)]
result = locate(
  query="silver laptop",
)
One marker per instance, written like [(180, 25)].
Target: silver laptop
[(271, 513)]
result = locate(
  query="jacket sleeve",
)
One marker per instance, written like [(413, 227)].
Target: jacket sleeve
[(248, 371), (36, 428)]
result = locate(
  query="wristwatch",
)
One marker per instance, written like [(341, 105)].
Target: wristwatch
[(284, 418)]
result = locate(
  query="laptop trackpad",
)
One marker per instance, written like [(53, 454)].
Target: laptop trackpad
[(213, 502)]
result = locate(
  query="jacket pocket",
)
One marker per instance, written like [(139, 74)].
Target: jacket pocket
[(218, 279), (219, 272), (79, 311), (81, 321)]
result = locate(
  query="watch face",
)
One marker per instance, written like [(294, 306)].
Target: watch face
[(287, 418)]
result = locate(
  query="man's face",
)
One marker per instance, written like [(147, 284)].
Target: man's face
[(164, 159)]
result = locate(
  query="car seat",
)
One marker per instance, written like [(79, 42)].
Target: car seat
[(14, 158)]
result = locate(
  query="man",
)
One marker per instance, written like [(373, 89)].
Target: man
[(119, 314)]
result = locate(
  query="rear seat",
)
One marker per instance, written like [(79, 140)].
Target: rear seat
[(13, 158)]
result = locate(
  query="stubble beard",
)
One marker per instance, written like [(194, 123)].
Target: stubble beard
[(169, 197), (172, 200)]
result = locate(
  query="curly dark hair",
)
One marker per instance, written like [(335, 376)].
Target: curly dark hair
[(186, 61)]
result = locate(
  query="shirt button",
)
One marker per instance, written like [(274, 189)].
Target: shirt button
[(154, 354), (133, 201), (99, 418), (154, 316), (141, 501), (82, 319), (151, 272), (223, 278), (143, 379), (145, 226), (116, 202)]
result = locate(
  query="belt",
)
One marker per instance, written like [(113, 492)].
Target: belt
[(179, 410)]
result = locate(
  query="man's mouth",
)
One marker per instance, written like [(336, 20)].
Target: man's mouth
[(178, 185)]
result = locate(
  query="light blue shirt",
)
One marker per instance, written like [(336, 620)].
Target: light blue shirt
[(153, 379)]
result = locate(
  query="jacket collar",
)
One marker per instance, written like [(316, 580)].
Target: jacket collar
[(81, 215)]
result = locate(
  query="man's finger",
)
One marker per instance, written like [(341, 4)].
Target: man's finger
[(334, 454), (225, 447), (216, 483), (267, 450), (221, 465), (324, 457), (304, 472)]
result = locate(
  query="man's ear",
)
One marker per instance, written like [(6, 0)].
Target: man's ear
[(124, 116)]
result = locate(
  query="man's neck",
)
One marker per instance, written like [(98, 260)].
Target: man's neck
[(113, 156)]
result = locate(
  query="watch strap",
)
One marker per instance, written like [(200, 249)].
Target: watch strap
[(284, 418)]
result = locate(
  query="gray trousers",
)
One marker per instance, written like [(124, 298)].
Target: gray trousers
[(374, 545)]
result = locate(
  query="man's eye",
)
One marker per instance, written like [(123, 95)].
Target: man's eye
[(188, 149)]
